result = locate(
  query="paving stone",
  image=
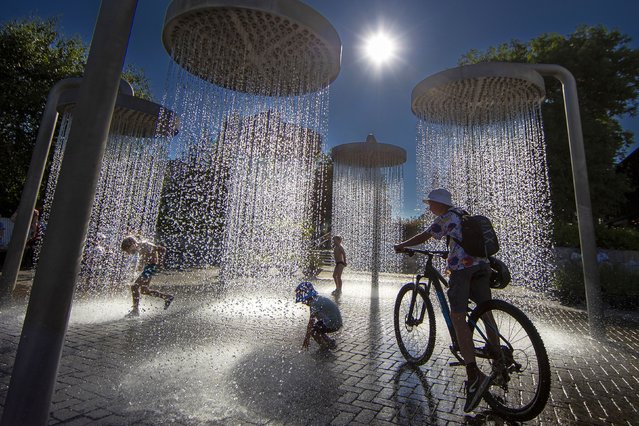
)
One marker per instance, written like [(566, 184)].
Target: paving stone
[(215, 360)]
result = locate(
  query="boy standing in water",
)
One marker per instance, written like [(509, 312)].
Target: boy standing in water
[(340, 263), (151, 256)]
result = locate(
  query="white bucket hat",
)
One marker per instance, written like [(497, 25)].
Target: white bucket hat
[(441, 196)]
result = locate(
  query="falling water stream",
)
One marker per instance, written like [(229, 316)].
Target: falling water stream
[(126, 202), (357, 190), (239, 190), (494, 164)]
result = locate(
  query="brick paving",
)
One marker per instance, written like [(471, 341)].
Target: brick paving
[(233, 358)]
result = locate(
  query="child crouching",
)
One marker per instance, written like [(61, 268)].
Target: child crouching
[(324, 316)]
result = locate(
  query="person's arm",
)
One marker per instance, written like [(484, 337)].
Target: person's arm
[(417, 239), (309, 329), (161, 250)]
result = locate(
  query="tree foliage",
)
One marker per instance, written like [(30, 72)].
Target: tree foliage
[(35, 56), (606, 70)]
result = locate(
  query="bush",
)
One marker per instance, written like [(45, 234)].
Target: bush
[(619, 286), (567, 235), (313, 265)]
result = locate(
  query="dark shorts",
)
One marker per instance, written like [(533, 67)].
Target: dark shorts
[(320, 327), (469, 283), (149, 270)]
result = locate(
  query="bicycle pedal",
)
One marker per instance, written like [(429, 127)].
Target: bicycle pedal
[(455, 364)]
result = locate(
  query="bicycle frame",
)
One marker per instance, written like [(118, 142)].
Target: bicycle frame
[(506, 343), (438, 282)]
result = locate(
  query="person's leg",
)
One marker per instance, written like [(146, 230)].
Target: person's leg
[(337, 277), (149, 271), (168, 298), (458, 295), (135, 294), (479, 293), (319, 333)]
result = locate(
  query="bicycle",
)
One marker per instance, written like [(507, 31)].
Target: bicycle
[(520, 368)]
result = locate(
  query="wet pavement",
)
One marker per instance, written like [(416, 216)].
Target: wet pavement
[(234, 358)]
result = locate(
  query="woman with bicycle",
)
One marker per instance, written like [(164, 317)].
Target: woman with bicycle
[(469, 280)]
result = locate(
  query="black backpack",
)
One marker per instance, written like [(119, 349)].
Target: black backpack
[(478, 235)]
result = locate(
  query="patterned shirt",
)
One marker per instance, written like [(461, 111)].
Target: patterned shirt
[(449, 225)]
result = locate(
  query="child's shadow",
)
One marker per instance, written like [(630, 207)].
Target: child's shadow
[(306, 381)]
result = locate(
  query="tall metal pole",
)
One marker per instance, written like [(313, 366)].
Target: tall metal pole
[(29, 195), (37, 359), (376, 234), (582, 196), (377, 229)]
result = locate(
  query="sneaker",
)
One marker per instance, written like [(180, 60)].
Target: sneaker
[(133, 313), (475, 390), (167, 302), (330, 343)]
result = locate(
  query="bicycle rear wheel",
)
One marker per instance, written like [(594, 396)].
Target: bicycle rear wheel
[(414, 329), (521, 369)]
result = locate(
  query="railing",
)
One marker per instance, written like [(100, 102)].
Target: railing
[(325, 256)]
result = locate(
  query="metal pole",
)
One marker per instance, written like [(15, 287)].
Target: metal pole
[(31, 188), (582, 196), (377, 229), (37, 359)]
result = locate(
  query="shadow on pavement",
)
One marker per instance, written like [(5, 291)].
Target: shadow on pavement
[(282, 384), (412, 395)]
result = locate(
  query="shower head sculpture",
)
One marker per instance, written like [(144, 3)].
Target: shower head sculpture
[(271, 48), (370, 154), (472, 93), (149, 119)]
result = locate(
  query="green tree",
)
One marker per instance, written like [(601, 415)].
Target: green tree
[(606, 69), (35, 56)]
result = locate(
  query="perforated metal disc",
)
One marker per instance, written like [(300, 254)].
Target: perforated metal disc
[(266, 47), (369, 154), (145, 118), (477, 92)]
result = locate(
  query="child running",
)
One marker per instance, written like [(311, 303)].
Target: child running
[(151, 256)]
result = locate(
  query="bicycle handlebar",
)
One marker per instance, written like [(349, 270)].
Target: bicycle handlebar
[(440, 253)]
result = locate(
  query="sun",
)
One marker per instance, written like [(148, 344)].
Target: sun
[(380, 48)]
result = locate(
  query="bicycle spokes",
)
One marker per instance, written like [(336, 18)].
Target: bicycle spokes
[(518, 363)]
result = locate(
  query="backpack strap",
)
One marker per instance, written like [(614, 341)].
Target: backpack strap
[(462, 214)]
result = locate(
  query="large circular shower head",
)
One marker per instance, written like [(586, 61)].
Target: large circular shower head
[(369, 154), (146, 118), (477, 92), (272, 48)]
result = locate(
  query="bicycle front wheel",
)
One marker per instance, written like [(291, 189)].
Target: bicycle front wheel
[(520, 365), (414, 324)]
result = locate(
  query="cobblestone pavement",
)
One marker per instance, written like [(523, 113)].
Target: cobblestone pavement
[(234, 358)]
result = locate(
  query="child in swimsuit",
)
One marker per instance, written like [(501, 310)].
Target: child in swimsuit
[(340, 263), (151, 256)]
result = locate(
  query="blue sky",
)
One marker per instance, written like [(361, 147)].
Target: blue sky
[(431, 34)]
